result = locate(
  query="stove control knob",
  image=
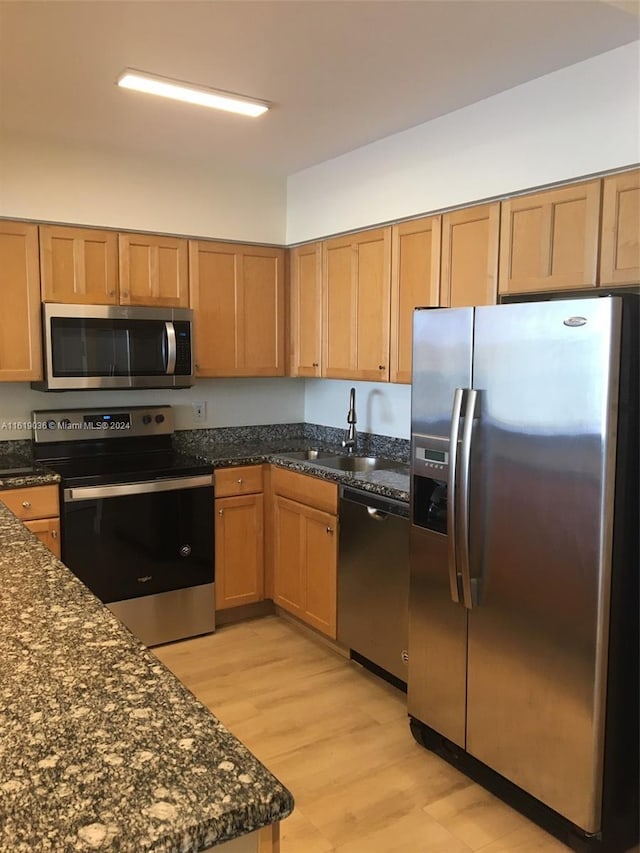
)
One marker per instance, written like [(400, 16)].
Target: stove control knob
[(185, 550), (146, 419), (159, 419)]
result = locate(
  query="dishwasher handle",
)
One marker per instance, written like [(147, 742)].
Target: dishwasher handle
[(377, 514), (377, 506)]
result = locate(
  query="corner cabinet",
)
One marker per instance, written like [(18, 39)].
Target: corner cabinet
[(237, 293), (20, 323), (549, 240), (415, 282), (305, 327), (620, 254), (239, 536), (469, 274), (305, 543), (79, 265), (356, 273)]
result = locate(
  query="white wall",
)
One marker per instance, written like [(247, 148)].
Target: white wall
[(380, 407), (574, 122), (62, 183), (230, 402)]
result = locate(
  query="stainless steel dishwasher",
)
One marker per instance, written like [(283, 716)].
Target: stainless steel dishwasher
[(373, 580)]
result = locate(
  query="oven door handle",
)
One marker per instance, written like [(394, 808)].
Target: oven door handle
[(87, 493)]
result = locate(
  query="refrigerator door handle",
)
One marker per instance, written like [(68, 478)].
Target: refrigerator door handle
[(454, 433), (469, 585)]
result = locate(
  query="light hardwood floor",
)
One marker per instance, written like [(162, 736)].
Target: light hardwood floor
[(339, 739)]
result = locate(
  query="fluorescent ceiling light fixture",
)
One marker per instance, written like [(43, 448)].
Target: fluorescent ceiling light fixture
[(201, 95)]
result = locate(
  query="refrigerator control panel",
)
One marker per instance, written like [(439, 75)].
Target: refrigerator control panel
[(431, 456), (437, 460)]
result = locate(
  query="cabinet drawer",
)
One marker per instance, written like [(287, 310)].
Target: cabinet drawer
[(245, 480), (33, 502), (305, 489)]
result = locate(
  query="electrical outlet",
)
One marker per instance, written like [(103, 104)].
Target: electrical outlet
[(199, 412)]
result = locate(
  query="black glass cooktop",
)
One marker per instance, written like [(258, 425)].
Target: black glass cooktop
[(126, 468)]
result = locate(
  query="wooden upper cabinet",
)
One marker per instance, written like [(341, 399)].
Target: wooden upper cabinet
[(153, 270), (305, 327), (549, 240), (20, 323), (469, 273), (356, 273), (415, 282), (620, 253), (237, 293), (78, 265)]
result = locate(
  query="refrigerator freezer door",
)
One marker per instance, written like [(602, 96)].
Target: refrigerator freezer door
[(541, 519), (437, 626)]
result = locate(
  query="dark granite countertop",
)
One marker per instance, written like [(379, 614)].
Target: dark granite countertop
[(21, 476), (244, 448), (101, 747)]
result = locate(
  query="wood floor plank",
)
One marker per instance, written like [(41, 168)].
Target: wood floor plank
[(338, 738)]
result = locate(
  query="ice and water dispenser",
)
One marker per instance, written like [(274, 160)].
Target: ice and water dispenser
[(430, 473)]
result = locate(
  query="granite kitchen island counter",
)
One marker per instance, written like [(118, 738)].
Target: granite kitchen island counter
[(101, 748)]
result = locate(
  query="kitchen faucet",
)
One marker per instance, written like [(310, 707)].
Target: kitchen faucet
[(351, 437)]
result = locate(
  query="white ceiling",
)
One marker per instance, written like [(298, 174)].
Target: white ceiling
[(340, 73)]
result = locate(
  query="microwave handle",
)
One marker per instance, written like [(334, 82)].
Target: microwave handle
[(170, 332)]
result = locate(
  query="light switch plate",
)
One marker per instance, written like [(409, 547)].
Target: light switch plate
[(199, 412)]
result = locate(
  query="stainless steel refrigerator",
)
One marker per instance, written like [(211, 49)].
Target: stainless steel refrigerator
[(523, 617)]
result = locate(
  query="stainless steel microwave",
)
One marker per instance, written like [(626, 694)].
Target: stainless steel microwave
[(112, 346)]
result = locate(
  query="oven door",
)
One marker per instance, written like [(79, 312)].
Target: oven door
[(131, 540)]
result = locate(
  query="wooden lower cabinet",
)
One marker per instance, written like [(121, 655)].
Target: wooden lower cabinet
[(38, 508), (305, 563), (48, 532), (239, 536)]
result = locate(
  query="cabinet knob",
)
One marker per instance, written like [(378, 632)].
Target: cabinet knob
[(54, 534), (220, 512), (329, 529), (125, 293), (315, 364), (382, 367), (112, 293), (240, 481), (26, 504)]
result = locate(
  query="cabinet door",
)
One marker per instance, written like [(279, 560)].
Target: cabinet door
[(79, 265), (261, 316), (356, 272), (620, 255), (549, 240), (321, 559), (415, 282), (237, 295), (470, 256), (288, 565), (153, 270), (305, 564), (306, 310), (20, 323), (48, 532), (239, 547)]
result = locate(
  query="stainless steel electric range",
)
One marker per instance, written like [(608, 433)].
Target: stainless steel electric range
[(136, 516)]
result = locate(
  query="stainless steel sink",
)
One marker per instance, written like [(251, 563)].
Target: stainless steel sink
[(358, 464), (310, 455)]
